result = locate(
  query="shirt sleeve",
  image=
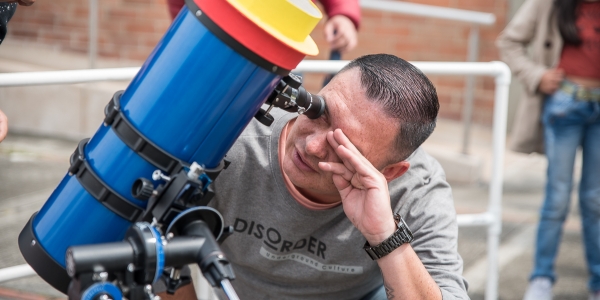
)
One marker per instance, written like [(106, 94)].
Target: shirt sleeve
[(174, 7), (426, 204), (348, 8)]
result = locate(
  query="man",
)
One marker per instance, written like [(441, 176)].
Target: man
[(303, 195)]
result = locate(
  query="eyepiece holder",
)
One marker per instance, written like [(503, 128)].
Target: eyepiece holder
[(291, 96)]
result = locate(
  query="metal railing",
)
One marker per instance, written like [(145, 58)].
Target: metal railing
[(490, 218), (474, 18), (430, 11)]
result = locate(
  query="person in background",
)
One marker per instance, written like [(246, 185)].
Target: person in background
[(7, 10), (3, 126), (340, 28), (560, 113)]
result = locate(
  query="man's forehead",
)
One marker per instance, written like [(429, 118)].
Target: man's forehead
[(345, 87), (364, 121)]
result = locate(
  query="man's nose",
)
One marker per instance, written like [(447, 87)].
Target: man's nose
[(316, 145)]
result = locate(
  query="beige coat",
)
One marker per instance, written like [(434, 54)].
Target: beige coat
[(534, 25)]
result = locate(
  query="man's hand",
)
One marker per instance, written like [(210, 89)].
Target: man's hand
[(3, 126), (366, 202), (21, 2), (340, 33), (551, 81), (364, 190)]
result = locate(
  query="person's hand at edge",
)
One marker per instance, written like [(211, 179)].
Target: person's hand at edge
[(3, 126), (340, 33), (551, 81)]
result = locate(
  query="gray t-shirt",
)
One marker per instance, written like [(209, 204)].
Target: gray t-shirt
[(282, 250)]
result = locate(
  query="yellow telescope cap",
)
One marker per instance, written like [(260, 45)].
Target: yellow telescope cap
[(290, 21)]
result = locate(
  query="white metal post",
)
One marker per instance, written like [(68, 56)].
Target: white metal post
[(15, 272), (496, 183), (467, 113), (93, 33)]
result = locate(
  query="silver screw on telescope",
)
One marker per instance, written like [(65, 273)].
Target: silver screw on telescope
[(158, 175), (102, 276)]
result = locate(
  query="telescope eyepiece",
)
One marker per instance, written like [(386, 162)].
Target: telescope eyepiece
[(312, 106)]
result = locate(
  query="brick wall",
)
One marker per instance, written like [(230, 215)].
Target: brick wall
[(129, 29)]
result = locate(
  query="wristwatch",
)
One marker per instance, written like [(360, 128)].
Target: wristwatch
[(401, 236)]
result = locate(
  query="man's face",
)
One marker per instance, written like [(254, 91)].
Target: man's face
[(362, 121)]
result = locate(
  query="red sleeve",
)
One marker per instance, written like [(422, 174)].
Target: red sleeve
[(348, 8), (174, 7)]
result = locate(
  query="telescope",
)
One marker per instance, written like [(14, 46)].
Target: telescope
[(132, 207)]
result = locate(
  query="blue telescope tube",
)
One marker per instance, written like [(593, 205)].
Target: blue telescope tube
[(192, 98)]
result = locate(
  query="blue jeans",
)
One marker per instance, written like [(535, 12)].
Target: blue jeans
[(376, 294), (568, 125)]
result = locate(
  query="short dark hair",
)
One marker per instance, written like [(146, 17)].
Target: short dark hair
[(566, 11), (405, 93)]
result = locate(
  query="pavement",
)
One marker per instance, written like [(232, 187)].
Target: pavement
[(31, 167)]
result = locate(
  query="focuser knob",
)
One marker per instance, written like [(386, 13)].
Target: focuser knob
[(264, 117), (293, 80), (142, 189)]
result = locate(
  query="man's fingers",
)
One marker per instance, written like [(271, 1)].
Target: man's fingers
[(337, 168), (341, 176), (361, 165), (355, 171), (337, 139), (343, 140), (332, 141), (334, 144)]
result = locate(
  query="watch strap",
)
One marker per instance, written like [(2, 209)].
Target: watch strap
[(401, 236)]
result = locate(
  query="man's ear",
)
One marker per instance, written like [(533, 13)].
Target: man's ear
[(395, 170)]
